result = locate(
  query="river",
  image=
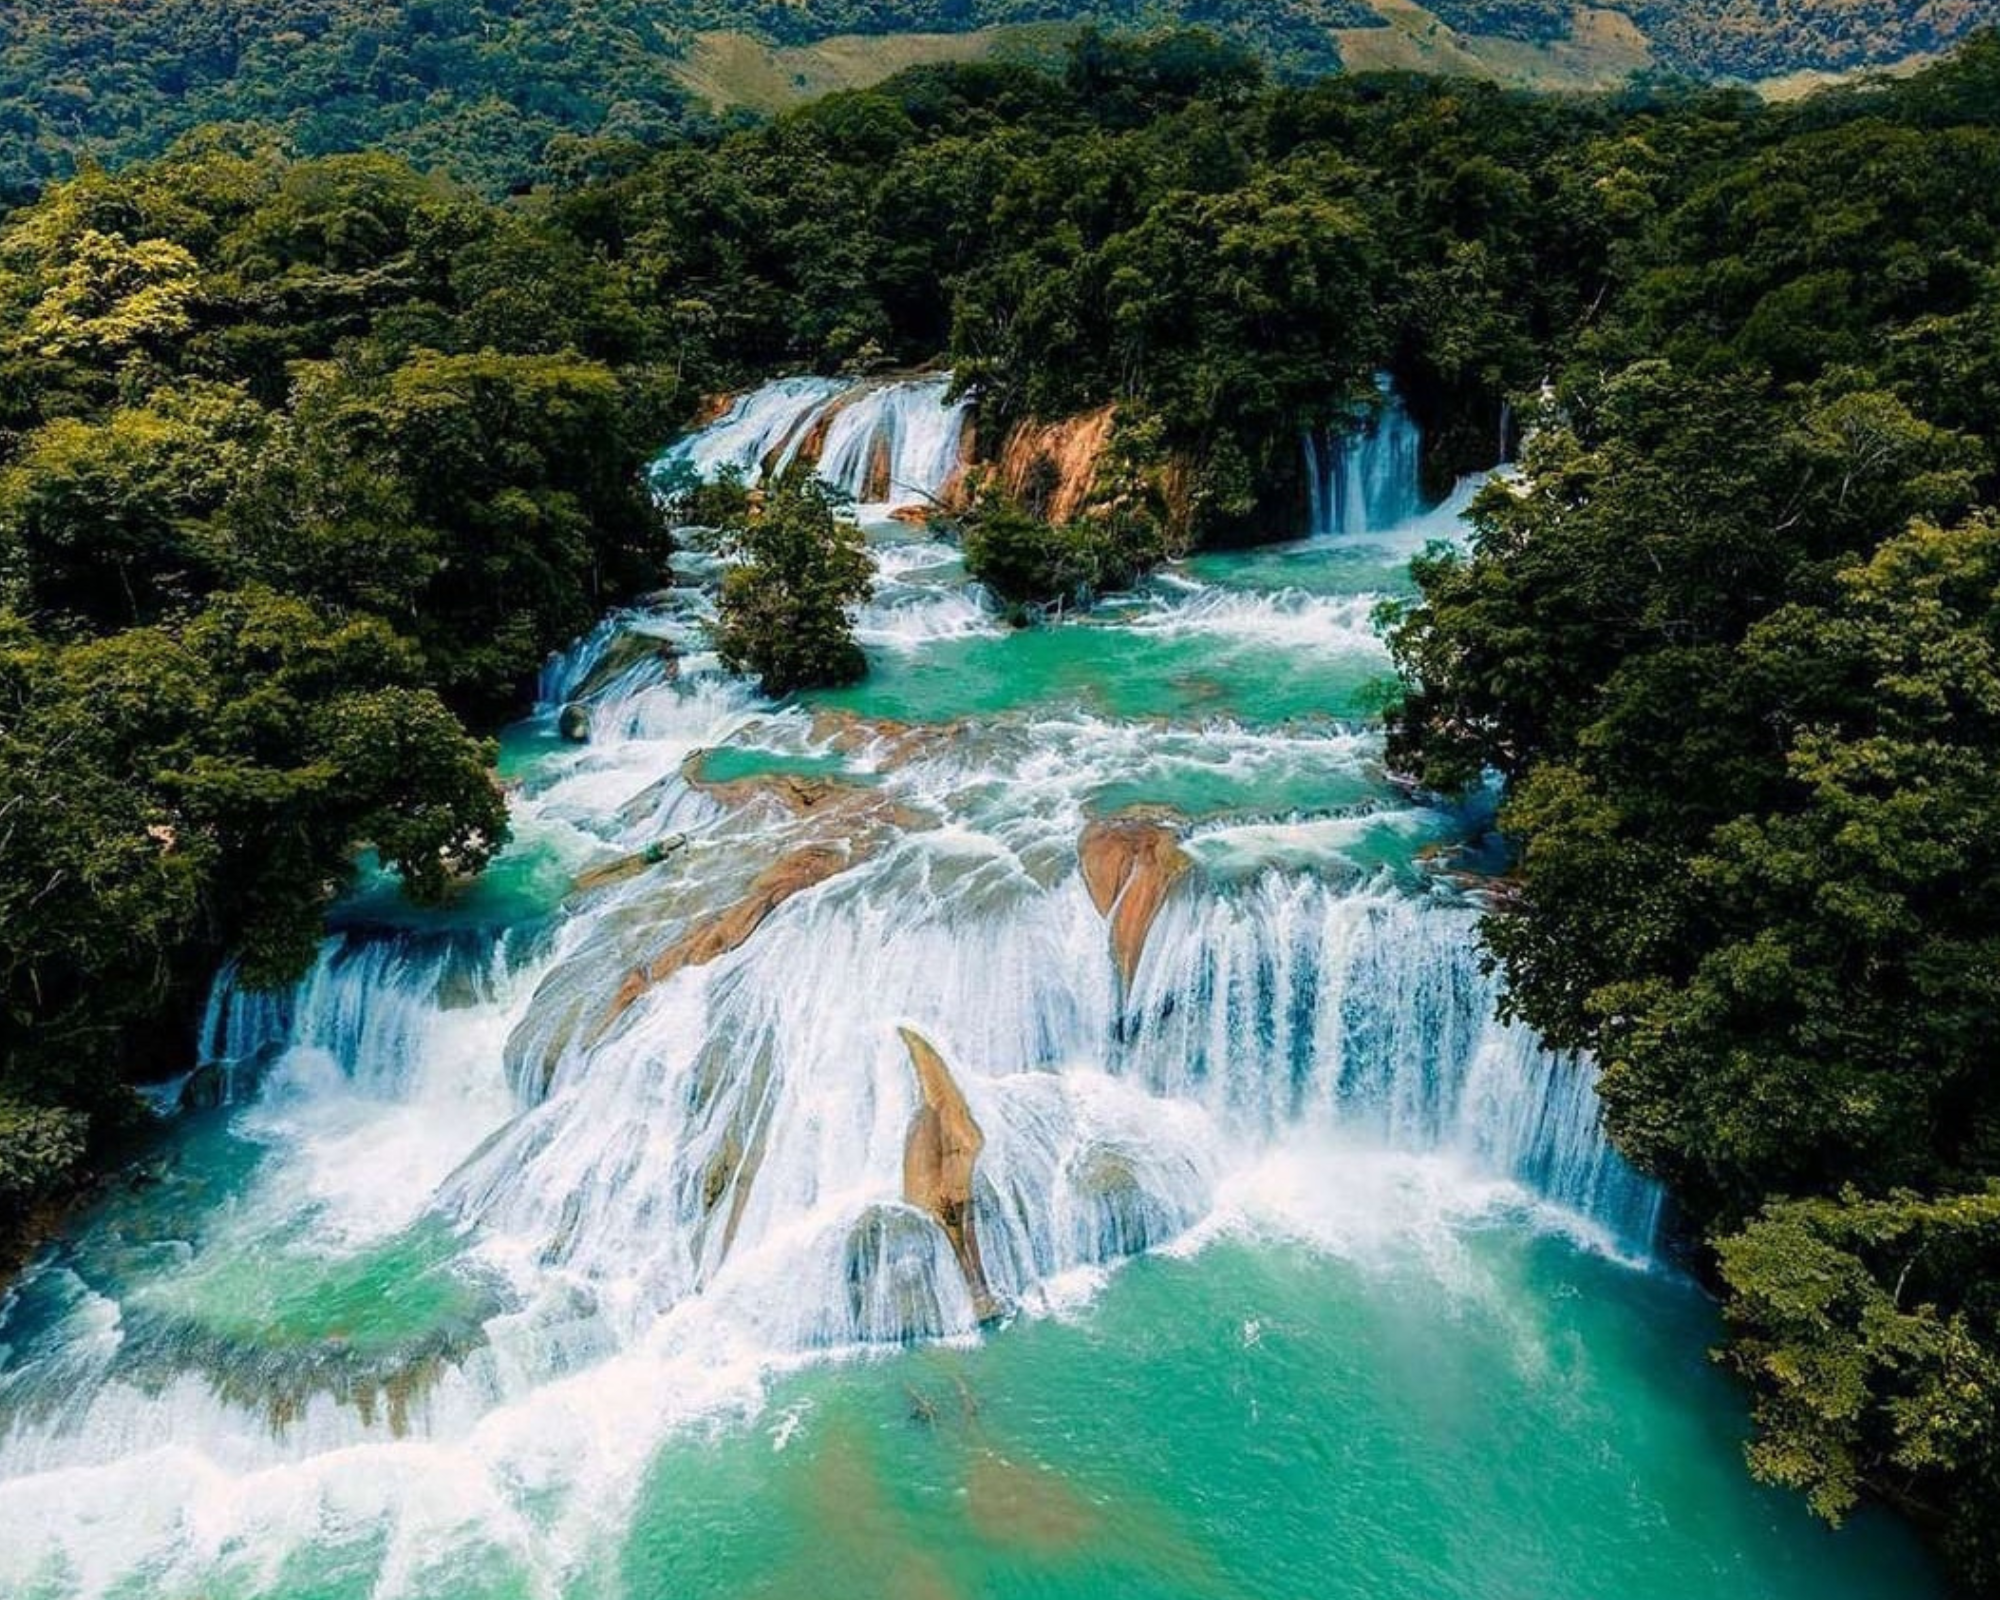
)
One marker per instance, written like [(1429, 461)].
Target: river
[(595, 1236)]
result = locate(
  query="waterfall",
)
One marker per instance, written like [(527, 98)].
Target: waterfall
[(739, 1131), (1362, 474), (735, 1128), (820, 1041), (882, 442)]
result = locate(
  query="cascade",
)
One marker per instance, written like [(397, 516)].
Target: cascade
[(883, 442), (738, 1127), (1362, 476), (835, 1034)]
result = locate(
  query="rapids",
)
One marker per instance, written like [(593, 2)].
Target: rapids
[(579, 1240)]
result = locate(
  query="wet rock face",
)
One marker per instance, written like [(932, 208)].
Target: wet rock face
[(1052, 466), (620, 657), (939, 1160), (630, 866), (207, 1088), (1129, 866), (721, 933)]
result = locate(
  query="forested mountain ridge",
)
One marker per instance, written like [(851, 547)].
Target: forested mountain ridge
[(489, 89)]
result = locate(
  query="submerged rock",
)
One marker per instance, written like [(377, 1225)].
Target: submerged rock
[(1129, 865), (939, 1158), (207, 1087), (632, 865)]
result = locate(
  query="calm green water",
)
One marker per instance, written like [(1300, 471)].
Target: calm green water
[(1140, 669), (1502, 1418)]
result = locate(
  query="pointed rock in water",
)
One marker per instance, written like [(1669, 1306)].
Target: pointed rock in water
[(939, 1157), (1129, 864)]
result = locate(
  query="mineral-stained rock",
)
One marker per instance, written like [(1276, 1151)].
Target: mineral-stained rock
[(722, 932), (1129, 865), (1053, 465), (939, 1159)]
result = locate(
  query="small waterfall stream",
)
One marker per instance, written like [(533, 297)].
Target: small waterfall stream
[(1362, 475), (882, 442)]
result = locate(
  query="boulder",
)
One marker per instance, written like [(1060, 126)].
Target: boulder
[(620, 656), (940, 1155), (718, 934), (573, 723), (207, 1087), (1129, 866)]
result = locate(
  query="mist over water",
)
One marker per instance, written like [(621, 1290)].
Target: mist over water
[(566, 1242)]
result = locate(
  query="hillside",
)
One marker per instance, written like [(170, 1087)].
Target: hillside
[(487, 87)]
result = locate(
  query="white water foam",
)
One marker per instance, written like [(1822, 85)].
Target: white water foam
[(669, 1198)]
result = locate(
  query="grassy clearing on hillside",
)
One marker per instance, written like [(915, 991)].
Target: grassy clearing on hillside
[(732, 69)]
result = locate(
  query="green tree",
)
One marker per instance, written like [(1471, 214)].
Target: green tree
[(785, 606)]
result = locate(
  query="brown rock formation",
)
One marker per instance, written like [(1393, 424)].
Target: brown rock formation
[(1129, 865), (862, 811), (938, 1161), (722, 932), (812, 442), (713, 408), (875, 484), (891, 743), (1051, 467)]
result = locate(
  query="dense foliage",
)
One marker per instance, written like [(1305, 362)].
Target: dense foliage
[(800, 565), (498, 92), (1742, 38), (482, 87), (1764, 38), (304, 468), (1735, 643)]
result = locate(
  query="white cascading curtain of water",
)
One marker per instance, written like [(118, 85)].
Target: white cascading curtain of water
[(1363, 478), (899, 436)]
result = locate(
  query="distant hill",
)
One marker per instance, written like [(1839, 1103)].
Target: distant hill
[(484, 86)]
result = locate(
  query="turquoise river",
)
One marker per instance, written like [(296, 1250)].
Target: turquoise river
[(1030, 1125)]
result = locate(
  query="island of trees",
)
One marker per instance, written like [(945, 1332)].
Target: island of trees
[(307, 462)]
